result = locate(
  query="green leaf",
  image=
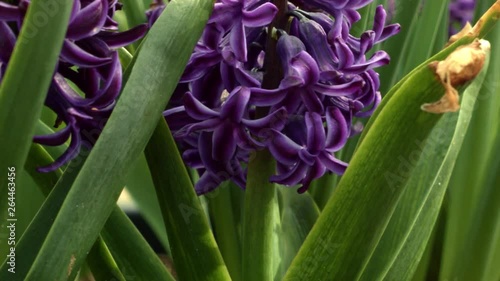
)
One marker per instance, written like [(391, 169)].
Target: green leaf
[(38, 156), (466, 185), (426, 33), (135, 14), (402, 245), (486, 23), (92, 197), (194, 251), (132, 253), (298, 215), (322, 189), (142, 190), (28, 246), (134, 11), (398, 46), (349, 228), (24, 88), (429, 25), (101, 263), (480, 255), (125, 58), (28, 200), (367, 14)]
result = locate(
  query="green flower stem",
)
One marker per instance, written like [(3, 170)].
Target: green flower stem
[(322, 189), (24, 88), (259, 219), (135, 14), (225, 228), (134, 11), (194, 251)]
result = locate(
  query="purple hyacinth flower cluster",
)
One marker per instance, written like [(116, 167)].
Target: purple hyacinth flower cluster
[(221, 112), (461, 12), (88, 77)]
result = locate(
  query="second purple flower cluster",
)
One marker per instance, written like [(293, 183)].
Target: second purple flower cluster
[(221, 113), (88, 77)]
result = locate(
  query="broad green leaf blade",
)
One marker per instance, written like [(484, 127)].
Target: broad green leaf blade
[(353, 221), (133, 254), (480, 30), (33, 60), (402, 245), (92, 197), (260, 223), (194, 251), (101, 263)]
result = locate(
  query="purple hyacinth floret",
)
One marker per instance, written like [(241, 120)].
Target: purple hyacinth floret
[(88, 77), (461, 12), (221, 113)]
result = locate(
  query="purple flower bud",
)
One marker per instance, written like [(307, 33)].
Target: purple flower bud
[(88, 78)]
